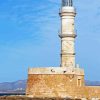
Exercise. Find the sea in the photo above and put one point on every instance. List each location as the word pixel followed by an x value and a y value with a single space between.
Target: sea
pixel 11 94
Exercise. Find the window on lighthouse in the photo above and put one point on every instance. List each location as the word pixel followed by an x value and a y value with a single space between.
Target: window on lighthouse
pixel 67 3
pixel 79 82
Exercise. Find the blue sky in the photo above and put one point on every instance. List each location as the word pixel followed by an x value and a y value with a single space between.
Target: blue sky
pixel 29 37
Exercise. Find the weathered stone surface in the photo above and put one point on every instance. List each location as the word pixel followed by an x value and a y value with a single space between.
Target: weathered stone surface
pixel 52 85
pixel 56 70
pixel 59 85
pixel 67 81
pixel 67 37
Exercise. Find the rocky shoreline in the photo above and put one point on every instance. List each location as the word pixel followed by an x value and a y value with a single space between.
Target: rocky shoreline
pixel 27 98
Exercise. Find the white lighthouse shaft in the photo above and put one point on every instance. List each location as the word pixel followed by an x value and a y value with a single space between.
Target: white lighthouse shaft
pixel 67 34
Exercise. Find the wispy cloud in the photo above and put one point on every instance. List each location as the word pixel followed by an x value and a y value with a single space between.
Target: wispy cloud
pixel 29 31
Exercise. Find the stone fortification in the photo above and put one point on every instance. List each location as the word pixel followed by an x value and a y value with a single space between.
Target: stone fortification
pixel 68 79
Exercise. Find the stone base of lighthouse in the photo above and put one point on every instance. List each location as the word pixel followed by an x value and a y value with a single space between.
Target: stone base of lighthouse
pixel 54 82
pixel 59 83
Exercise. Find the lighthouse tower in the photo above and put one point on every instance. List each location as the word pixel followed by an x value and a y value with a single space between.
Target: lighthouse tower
pixel 61 81
pixel 67 35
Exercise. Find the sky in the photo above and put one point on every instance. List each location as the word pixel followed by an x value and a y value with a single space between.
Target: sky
pixel 29 37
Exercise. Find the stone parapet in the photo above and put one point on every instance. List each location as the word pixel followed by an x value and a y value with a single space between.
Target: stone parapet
pixel 56 70
pixel 67 11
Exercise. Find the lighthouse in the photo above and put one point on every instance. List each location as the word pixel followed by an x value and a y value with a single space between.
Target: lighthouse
pixel 67 33
pixel 66 80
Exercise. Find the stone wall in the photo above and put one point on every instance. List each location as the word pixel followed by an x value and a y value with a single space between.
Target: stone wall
pixel 59 86
pixel 87 92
